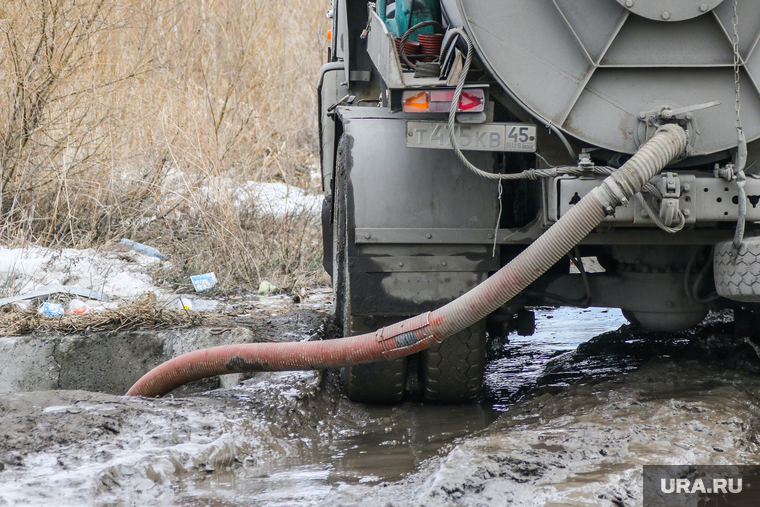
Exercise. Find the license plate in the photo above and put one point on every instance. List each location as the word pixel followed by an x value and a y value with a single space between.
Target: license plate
pixel 515 137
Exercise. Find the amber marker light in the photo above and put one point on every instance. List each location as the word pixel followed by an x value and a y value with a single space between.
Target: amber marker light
pixel 415 101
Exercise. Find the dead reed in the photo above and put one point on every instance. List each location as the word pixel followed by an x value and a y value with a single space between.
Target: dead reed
pixel 142 118
pixel 143 313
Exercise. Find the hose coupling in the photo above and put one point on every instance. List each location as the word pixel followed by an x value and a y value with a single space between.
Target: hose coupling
pixel 406 333
pixel 665 145
pixel 610 195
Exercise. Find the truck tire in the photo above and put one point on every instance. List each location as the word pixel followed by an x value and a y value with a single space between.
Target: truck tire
pixel 376 382
pixel 452 371
pixel 737 274
pixel 382 382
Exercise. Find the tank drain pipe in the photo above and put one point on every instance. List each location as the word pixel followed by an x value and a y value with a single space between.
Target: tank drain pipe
pixel 420 332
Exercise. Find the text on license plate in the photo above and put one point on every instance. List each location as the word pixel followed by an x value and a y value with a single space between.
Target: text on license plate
pixel 520 137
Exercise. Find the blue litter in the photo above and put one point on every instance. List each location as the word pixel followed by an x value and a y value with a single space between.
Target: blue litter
pixel 139 247
pixel 203 282
pixel 49 309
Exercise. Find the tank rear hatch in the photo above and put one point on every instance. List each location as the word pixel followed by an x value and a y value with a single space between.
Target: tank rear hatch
pixel 602 69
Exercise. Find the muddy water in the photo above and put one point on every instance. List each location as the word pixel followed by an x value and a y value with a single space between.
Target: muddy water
pixel 584 427
pixel 559 421
pixel 384 443
pixel 516 366
pixel 372 444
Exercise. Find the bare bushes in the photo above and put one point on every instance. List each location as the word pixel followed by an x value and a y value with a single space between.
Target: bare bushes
pixel 145 118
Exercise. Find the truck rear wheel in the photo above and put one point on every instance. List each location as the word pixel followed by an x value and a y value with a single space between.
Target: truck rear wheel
pixel 376 382
pixel 452 371
pixel 382 382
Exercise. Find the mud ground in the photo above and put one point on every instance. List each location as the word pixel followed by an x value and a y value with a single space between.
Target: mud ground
pixel 584 444
pixel 577 434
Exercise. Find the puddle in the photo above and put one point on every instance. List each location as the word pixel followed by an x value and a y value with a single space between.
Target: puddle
pixel 386 443
pixel 522 360
pixel 376 443
pixel 390 445
pixel 316 443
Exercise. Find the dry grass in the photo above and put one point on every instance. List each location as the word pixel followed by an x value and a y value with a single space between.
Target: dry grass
pixel 143 314
pixel 139 118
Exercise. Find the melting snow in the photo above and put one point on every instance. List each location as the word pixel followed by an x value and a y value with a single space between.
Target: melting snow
pixel 126 274
pixel 278 199
pixel 115 273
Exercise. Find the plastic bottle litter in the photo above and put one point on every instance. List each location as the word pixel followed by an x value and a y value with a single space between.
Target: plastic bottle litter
pixel 144 249
pixel 203 282
pixel 50 309
pixel 200 305
pixel 78 307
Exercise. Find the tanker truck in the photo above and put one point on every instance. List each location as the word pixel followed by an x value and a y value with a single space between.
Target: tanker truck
pixel 453 133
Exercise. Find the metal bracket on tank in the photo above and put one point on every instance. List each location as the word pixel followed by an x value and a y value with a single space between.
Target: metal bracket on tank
pixel 650 121
pixel 670 10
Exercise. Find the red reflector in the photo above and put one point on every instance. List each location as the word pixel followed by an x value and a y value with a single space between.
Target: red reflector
pixel 470 101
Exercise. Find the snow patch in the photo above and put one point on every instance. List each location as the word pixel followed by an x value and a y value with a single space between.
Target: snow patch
pixel 277 199
pixel 117 274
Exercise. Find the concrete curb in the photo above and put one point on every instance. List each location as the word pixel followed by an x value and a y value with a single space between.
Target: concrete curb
pixel 107 362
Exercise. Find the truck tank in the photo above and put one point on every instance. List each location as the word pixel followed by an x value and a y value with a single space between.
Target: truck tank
pixel 600 69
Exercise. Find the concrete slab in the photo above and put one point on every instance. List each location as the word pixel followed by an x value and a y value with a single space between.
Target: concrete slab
pixel 107 362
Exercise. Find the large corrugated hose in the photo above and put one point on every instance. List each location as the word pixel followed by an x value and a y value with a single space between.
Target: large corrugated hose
pixel 420 332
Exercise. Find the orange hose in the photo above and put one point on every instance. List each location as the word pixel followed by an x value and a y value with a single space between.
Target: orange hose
pixel 420 332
